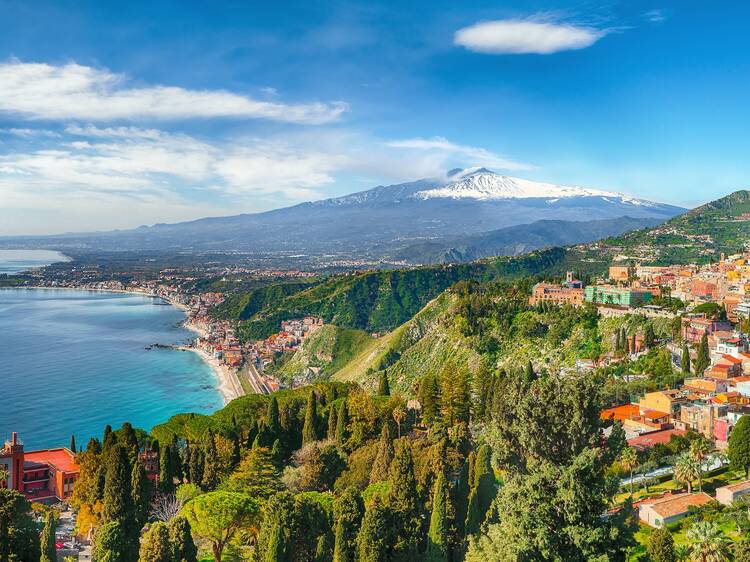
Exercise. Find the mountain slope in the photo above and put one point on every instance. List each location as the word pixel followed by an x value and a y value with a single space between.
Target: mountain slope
pixel 377 223
pixel 516 240
pixel 700 235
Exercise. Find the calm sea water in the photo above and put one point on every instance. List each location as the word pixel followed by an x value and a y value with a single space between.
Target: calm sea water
pixel 73 361
pixel 13 261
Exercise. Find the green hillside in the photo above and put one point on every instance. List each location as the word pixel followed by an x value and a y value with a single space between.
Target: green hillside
pixel 322 353
pixel 698 236
pixel 374 301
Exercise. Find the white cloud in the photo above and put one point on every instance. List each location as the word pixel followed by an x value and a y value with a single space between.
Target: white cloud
pixel 655 16
pixel 73 91
pixel 518 36
pixel 467 155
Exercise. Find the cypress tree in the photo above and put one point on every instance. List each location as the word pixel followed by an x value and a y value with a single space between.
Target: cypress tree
pixel 348 512
pixel 210 463
pixel 618 342
pixel 129 439
pixel 342 420
pixel 272 418
pixel 529 375
pixel 461 498
pixel 181 540
pixel 175 460
pixel 73 443
pixel 196 466
pixel 252 433
pixel 331 434
pixel 108 439
pixel 383 386
pixel 276 549
pixel 649 338
pixel 660 546
pixel 166 477
pixel 49 550
pixel 236 452
pixel 702 360
pixel 483 490
pixel 375 538
pixel 141 489
pixel 155 546
pixel 403 502
pixel 118 501
pixel 685 359
pixel 310 429
pixel 384 455
pixel 437 537
pixel 110 544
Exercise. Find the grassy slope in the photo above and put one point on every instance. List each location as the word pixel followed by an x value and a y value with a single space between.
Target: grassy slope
pixel 328 349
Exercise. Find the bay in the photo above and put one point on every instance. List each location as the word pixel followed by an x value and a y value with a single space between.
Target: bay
pixel 15 261
pixel 73 361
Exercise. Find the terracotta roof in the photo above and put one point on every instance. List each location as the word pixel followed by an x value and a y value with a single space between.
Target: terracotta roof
pixel 730 359
pixel 654 414
pixel 622 412
pixel 646 440
pixel 676 505
pixel 61 459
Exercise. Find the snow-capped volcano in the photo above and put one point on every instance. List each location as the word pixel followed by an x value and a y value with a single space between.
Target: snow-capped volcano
pixel 484 185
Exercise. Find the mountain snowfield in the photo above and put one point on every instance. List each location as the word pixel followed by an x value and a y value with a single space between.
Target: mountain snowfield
pixel 485 185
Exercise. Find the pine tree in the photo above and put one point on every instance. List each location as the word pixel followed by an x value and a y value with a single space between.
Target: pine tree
pixel 429 398
pixel 331 433
pixel 403 501
pixel 685 359
pixel 310 429
pixel 384 455
pixel 702 359
pixel 455 397
pixel 483 490
pixel 141 488
pixel 660 546
pixel 437 537
pixel 155 546
pixel 181 540
pixel 383 386
pixel 166 477
pixel 49 550
pixel 348 512
pixel 375 539
pixel 210 463
pixel 342 421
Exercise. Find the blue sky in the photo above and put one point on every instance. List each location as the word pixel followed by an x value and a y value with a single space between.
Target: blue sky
pixel 114 115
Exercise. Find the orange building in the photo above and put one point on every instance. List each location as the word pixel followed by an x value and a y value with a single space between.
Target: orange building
pixel 620 272
pixel 48 475
pixel 548 292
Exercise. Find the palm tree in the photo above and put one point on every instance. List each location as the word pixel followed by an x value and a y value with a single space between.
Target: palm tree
pixel 629 461
pixel 707 543
pixel 399 415
pixel 699 449
pixel 686 470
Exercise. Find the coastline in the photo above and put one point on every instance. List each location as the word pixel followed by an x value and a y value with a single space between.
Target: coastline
pixel 227 382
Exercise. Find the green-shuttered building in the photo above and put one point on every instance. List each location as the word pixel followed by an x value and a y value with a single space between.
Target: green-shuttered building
pixel 616 296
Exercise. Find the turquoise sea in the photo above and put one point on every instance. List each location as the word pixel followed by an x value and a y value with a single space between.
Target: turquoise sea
pixel 73 361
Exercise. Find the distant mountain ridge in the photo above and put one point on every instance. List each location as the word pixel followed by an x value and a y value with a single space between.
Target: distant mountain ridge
pixel 378 223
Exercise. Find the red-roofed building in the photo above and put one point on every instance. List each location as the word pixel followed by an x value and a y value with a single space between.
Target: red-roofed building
pixel 621 413
pixel 47 475
pixel 648 440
